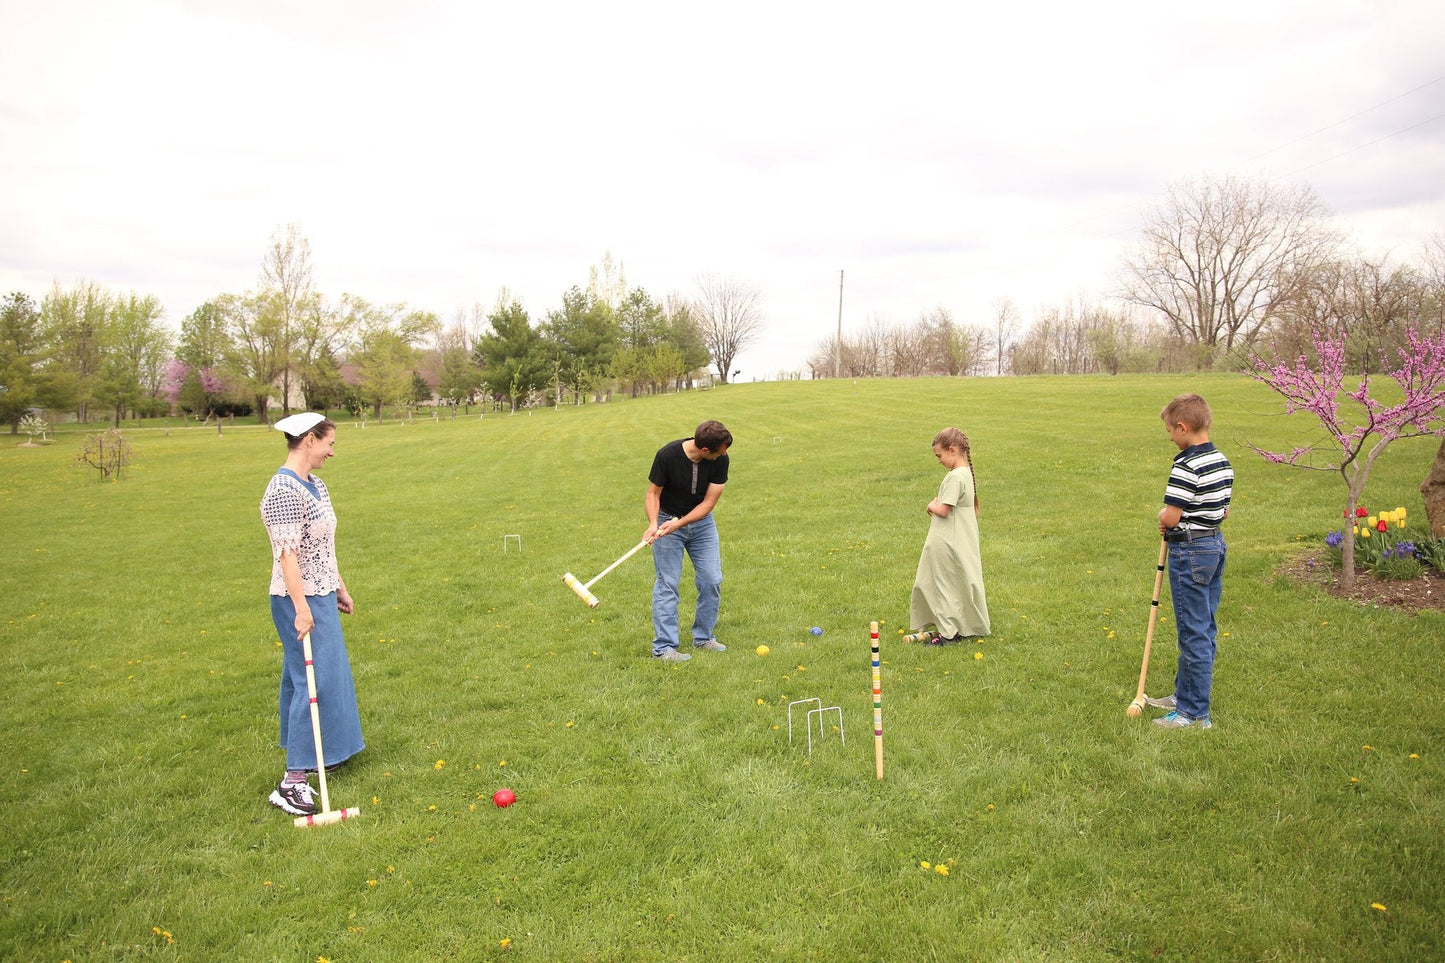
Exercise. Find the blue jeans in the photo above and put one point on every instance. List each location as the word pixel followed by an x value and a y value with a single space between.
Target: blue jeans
pixel 699 541
pixel 1196 576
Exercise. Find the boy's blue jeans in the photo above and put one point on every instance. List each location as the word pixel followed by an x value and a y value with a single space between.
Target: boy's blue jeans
pixel 700 542
pixel 1196 576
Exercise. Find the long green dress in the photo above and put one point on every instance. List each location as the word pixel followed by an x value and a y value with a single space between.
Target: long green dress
pixel 948 590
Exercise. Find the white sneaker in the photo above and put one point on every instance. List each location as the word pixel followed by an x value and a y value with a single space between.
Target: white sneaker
pixel 672 655
pixel 1165 703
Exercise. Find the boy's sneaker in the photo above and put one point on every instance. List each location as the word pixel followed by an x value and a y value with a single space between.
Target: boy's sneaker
pixel 295 798
pixel 709 645
pixel 1165 703
pixel 671 655
pixel 1175 721
pixel 936 639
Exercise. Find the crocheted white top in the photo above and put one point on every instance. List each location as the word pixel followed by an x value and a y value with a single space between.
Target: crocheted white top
pixel 305 524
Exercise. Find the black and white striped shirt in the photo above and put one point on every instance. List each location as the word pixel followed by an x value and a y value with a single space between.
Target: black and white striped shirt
pixel 1201 483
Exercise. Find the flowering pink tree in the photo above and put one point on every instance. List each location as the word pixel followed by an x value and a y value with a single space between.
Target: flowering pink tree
pixel 1360 432
pixel 173 376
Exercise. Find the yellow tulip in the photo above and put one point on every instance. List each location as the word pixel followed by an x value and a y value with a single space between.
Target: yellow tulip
pixel 1400 511
pixel 1365 532
pixel 1387 517
pixel 1400 523
pixel 1356 530
pixel 1372 521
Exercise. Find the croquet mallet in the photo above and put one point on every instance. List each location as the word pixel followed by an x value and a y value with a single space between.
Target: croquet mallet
pixel 327 814
pixel 1137 706
pixel 584 590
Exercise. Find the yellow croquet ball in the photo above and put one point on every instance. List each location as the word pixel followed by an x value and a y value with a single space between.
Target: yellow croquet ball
pixel 762 650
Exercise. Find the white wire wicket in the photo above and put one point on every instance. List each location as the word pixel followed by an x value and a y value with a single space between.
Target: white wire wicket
pixel 820 711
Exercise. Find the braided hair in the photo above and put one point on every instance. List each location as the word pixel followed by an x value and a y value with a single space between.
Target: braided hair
pixel 953 438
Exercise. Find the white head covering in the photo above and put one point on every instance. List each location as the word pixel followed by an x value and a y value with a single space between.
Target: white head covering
pixel 299 424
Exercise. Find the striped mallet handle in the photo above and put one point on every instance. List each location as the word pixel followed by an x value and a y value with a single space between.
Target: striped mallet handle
pixel 877 702
pixel 326 816
pixel 1137 706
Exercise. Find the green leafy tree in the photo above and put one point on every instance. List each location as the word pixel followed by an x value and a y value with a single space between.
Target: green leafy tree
pixel 76 323
pixel 684 333
pixel 583 336
pixel 139 344
pixel 22 345
pixel 256 354
pixel 511 354
pixel 388 339
pixel 458 377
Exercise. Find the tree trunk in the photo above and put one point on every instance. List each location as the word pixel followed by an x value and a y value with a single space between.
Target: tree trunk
pixel 1433 491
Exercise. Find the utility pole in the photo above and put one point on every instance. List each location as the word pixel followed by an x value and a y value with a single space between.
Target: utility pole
pixel 838 344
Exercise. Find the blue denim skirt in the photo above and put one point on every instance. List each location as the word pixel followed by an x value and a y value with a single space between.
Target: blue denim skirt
pixel 335 691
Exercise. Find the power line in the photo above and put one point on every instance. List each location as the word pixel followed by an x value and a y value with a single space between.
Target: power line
pixel 1372 143
pixel 1346 120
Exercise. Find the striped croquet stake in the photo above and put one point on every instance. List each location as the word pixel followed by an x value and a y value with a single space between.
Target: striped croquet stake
pixel 877 702
pixel 327 815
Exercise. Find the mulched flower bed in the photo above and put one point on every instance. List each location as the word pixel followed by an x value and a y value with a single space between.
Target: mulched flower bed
pixel 1410 595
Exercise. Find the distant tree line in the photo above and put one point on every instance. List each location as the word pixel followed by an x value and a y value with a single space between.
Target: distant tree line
pixel 96 353
pixel 1224 268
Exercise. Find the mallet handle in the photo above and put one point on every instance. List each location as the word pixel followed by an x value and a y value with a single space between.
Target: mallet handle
pixel 631 552
pixel 1153 617
pixel 877 702
pixel 315 719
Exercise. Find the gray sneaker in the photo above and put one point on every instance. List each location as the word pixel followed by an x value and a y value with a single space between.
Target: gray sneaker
pixel 1165 703
pixel 709 645
pixel 671 655
pixel 1175 721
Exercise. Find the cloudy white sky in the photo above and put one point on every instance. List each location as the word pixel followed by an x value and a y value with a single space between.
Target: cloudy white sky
pixel 938 154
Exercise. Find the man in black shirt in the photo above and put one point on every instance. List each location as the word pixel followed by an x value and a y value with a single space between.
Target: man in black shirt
pixel 683 487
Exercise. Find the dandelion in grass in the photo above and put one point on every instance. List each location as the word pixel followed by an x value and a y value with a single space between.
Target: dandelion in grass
pixel 431 809
pixel 570 724
pixel 941 869
pixel 925 864
pixel 440 763
pixel 1368 748
pixel 371 882
pixel 1414 755
pixel 1379 906
pixel 505 942
pixel 1354 780
pixel 375 801
pixel 978 656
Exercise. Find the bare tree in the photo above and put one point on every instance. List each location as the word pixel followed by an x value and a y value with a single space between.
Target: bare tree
pixel 730 314
pixel 1218 257
pixel 1005 322
pixel 286 283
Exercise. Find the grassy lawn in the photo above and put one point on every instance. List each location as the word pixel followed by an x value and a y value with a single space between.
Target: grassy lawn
pixel 662 813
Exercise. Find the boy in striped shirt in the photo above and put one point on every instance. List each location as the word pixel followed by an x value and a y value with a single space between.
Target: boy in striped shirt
pixel 1196 502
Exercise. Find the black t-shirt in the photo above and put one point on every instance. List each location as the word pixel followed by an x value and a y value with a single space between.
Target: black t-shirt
pixel 683 481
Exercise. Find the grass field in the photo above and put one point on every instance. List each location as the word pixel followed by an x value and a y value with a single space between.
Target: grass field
pixel 662 813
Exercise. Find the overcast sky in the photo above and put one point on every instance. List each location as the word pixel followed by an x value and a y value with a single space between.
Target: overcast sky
pixel 436 152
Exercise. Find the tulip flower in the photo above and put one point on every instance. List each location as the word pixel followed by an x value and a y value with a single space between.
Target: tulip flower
pixel 1382 527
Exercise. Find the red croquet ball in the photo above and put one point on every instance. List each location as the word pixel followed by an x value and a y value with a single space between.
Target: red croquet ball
pixel 504 798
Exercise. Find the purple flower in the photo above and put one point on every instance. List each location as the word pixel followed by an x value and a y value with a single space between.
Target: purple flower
pixel 1334 539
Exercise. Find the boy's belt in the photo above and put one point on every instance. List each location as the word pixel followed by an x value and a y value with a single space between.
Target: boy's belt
pixel 1188 534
